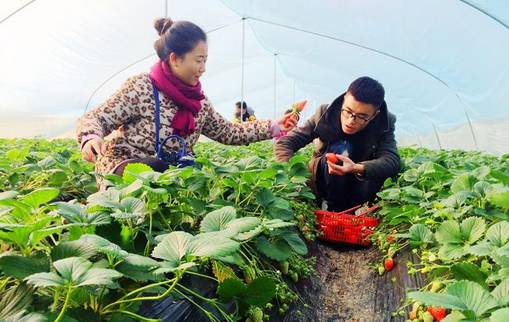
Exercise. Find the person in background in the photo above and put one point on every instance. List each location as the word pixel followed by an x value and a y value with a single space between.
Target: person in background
pixel 169 98
pixel 246 111
pixel 356 148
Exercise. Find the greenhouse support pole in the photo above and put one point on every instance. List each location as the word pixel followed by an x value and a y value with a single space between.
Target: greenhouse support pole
pixel 242 62
pixel 275 83
pixel 16 11
pixel 166 8
pixel 471 129
pixel 436 135
pixel 419 140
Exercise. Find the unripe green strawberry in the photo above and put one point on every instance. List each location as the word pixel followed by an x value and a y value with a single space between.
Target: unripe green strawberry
pixel 415 308
pixel 427 317
pixel 257 315
pixel 436 286
pixel 284 267
pixel 249 274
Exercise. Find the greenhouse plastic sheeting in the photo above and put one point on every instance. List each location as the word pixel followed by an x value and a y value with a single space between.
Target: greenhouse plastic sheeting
pixel 443 63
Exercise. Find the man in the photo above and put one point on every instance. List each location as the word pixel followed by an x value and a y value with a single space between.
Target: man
pixel 359 130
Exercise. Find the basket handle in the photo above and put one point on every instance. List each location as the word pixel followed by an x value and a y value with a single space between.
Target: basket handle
pixel 369 210
pixel 349 210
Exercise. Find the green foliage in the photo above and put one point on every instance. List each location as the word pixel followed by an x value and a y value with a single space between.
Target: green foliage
pixel 72 253
pixel 452 208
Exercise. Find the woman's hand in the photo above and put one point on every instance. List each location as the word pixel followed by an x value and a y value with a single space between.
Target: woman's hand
pixel 92 149
pixel 288 121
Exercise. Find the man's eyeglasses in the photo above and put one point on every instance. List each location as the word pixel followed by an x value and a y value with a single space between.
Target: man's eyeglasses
pixel 360 119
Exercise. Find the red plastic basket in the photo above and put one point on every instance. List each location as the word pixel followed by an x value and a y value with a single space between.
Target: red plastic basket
pixel 347 227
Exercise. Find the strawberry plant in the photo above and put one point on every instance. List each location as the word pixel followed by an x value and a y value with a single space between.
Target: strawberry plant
pixel 26 165
pixel 69 253
pixel 237 223
pixel 450 208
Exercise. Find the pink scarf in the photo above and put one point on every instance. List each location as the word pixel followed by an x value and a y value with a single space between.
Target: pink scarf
pixel 187 98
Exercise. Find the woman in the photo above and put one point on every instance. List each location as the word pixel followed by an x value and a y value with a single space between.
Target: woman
pixel 184 109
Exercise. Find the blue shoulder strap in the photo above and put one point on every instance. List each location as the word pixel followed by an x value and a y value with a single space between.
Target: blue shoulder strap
pixel 160 153
pixel 157 120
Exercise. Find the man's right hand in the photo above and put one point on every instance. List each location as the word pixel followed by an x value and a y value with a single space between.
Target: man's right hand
pixel 92 149
pixel 347 166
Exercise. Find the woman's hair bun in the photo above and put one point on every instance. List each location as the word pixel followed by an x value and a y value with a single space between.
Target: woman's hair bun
pixel 176 37
pixel 162 24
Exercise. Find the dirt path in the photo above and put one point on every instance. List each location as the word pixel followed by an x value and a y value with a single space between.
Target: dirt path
pixel 347 289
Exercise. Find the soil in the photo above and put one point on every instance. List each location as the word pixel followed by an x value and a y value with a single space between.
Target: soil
pixel 347 287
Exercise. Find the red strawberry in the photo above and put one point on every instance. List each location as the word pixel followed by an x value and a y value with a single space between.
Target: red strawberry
pixel 438 313
pixel 388 264
pixel 332 158
pixel 299 106
pixel 296 109
pixel 391 239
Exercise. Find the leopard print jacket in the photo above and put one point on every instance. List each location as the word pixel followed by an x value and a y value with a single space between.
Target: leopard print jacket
pixel 128 116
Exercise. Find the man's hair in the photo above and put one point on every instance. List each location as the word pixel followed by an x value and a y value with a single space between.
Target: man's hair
pixel 367 90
